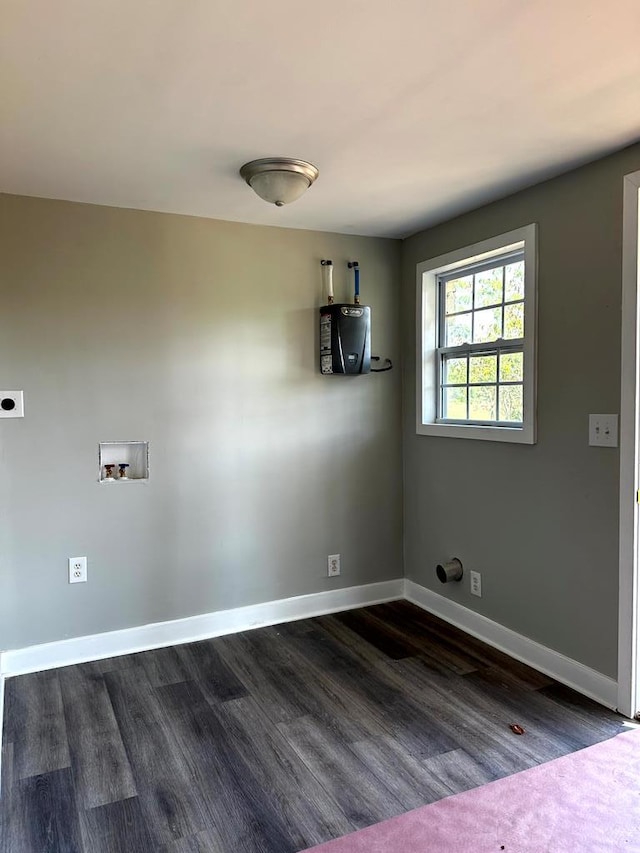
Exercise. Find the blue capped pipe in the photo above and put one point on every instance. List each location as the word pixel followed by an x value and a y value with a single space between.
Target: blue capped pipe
pixel 356 280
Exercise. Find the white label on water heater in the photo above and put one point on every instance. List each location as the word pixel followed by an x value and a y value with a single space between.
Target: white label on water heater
pixel 326 360
pixel 325 333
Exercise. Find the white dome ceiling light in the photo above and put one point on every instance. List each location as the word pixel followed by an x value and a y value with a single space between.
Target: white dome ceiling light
pixel 279 180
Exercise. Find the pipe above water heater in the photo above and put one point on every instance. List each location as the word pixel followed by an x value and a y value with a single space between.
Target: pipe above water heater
pixel 356 280
pixel 327 279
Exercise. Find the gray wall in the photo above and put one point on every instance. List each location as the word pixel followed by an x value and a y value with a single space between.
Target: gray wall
pixel 201 337
pixel 540 522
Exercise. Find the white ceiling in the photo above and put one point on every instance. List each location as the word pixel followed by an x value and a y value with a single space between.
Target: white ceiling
pixel 413 111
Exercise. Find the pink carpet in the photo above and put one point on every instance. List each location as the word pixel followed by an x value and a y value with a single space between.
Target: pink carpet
pixel 585 802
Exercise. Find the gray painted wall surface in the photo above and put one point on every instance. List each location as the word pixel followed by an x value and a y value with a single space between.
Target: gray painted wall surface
pixel 540 522
pixel 201 337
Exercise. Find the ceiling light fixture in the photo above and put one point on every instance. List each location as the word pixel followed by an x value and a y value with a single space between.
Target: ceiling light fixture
pixel 279 180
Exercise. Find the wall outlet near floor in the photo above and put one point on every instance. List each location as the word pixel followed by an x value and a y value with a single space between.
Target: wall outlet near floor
pixel 333 565
pixel 77 569
pixel 476 583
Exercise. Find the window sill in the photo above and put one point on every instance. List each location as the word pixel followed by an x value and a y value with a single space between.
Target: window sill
pixel 518 435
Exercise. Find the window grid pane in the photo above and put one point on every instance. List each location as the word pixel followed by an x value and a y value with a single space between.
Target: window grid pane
pixel 478 306
pixel 511 367
pixel 487 325
pixel 489 392
pixel 488 287
pixel 458 329
pixel 506 274
pixel 483 403
pixel 483 369
pixel 511 403
pixel 456 371
pixel 514 281
pixel 456 403
pixel 514 320
pixel 458 295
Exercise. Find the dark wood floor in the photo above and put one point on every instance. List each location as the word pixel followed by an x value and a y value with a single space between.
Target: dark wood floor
pixel 274 739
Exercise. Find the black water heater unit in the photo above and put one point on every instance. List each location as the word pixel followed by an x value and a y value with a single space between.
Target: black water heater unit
pixel 345 338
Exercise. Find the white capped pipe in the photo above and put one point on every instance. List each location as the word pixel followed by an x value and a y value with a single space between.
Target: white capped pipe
pixel 327 279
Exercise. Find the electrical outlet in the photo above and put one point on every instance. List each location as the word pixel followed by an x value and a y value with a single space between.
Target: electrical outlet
pixel 603 430
pixel 333 565
pixel 476 583
pixel 77 569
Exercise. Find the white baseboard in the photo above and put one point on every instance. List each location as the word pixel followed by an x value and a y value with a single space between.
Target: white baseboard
pixel 202 627
pixel 566 670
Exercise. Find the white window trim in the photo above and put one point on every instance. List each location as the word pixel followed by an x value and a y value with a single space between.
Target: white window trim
pixel 427 329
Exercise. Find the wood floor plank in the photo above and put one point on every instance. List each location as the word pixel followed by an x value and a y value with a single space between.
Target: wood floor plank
pixel 361 795
pixel 595 722
pixel 368 653
pixel 165 666
pixel 440 653
pixel 7 781
pixel 36 724
pixel 101 768
pixel 455 772
pixel 337 678
pixel 438 656
pixel 202 842
pixel 309 813
pixel 450 637
pixel 407 778
pixel 100 765
pixel 274 683
pixel 576 703
pixel 545 739
pixel 393 644
pixel 238 807
pixel 542 711
pixel 317 695
pixel 203 663
pixel 8 792
pixel 377 698
pixel 116 828
pixel 476 721
pixel 458 657
pixel 169 800
pixel 42 816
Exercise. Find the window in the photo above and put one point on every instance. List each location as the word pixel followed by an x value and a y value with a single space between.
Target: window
pixel 476 354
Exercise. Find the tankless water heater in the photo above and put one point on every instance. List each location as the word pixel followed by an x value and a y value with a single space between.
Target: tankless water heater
pixel 345 338
pixel 345 329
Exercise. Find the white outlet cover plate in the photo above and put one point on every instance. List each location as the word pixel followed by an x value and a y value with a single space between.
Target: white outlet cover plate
pixel 11 404
pixel 476 583
pixel 333 565
pixel 77 569
pixel 603 430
